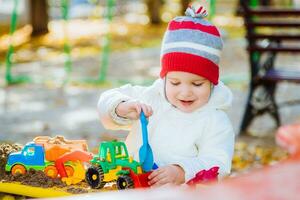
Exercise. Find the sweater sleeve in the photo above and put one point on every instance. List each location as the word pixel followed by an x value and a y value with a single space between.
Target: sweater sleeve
pixel 108 102
pixel 215 148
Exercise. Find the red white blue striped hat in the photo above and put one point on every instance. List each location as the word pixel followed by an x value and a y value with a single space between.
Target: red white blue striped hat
pixel 192 44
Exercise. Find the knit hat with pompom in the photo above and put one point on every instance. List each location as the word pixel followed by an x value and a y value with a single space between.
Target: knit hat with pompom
pixel 192 44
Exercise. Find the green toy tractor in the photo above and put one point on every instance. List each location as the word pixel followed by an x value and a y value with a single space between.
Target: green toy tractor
pixel 113 164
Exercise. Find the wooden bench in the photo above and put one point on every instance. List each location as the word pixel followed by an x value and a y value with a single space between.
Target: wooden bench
pixel 270 31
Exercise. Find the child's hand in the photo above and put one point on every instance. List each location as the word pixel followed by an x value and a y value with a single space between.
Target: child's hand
pixel 131 109
pixel 171 174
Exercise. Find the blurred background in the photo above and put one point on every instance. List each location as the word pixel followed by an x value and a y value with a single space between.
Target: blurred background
pixel 57 56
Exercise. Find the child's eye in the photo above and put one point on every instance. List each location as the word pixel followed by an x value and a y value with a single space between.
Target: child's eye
pixel 197 84
pixel 175 83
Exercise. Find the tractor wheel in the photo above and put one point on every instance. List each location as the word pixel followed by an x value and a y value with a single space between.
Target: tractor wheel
pixel 18 169
pixel 51 171
pixel 124 182
pixel 94 176
pixel 69 170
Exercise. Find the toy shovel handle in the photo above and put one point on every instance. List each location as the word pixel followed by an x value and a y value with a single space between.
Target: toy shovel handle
pixel 144 123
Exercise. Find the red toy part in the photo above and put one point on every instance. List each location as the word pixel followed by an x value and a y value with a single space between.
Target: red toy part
pixel 205 176
pixel 76 155
pixel 142 181
pixel 139 180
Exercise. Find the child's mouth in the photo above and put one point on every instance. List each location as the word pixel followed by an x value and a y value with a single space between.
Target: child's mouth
pixel 186 103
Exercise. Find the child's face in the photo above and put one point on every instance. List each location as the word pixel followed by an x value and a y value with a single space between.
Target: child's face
pixel 187 91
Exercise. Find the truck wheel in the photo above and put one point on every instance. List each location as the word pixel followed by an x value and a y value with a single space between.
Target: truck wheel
pixel 124 182
pixel 18 169
pixel 69 170
pixel 51 171
pixel 95 176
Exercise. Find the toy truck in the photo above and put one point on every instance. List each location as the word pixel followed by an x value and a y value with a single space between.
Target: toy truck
pixel 43 153
pixel 113 164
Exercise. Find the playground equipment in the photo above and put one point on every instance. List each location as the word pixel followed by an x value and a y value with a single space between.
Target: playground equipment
pixel 57 157
pixel 113 164
pixel 212 9
pixel 106 42
pixel 11 79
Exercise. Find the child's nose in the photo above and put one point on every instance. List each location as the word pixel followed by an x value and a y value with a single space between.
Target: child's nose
pixel 186 91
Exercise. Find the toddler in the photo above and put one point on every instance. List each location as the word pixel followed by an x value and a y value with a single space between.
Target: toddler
pixel 188 128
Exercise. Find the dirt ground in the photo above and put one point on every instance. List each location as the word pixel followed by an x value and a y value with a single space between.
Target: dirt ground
pixel 32 177
pixel 38 178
